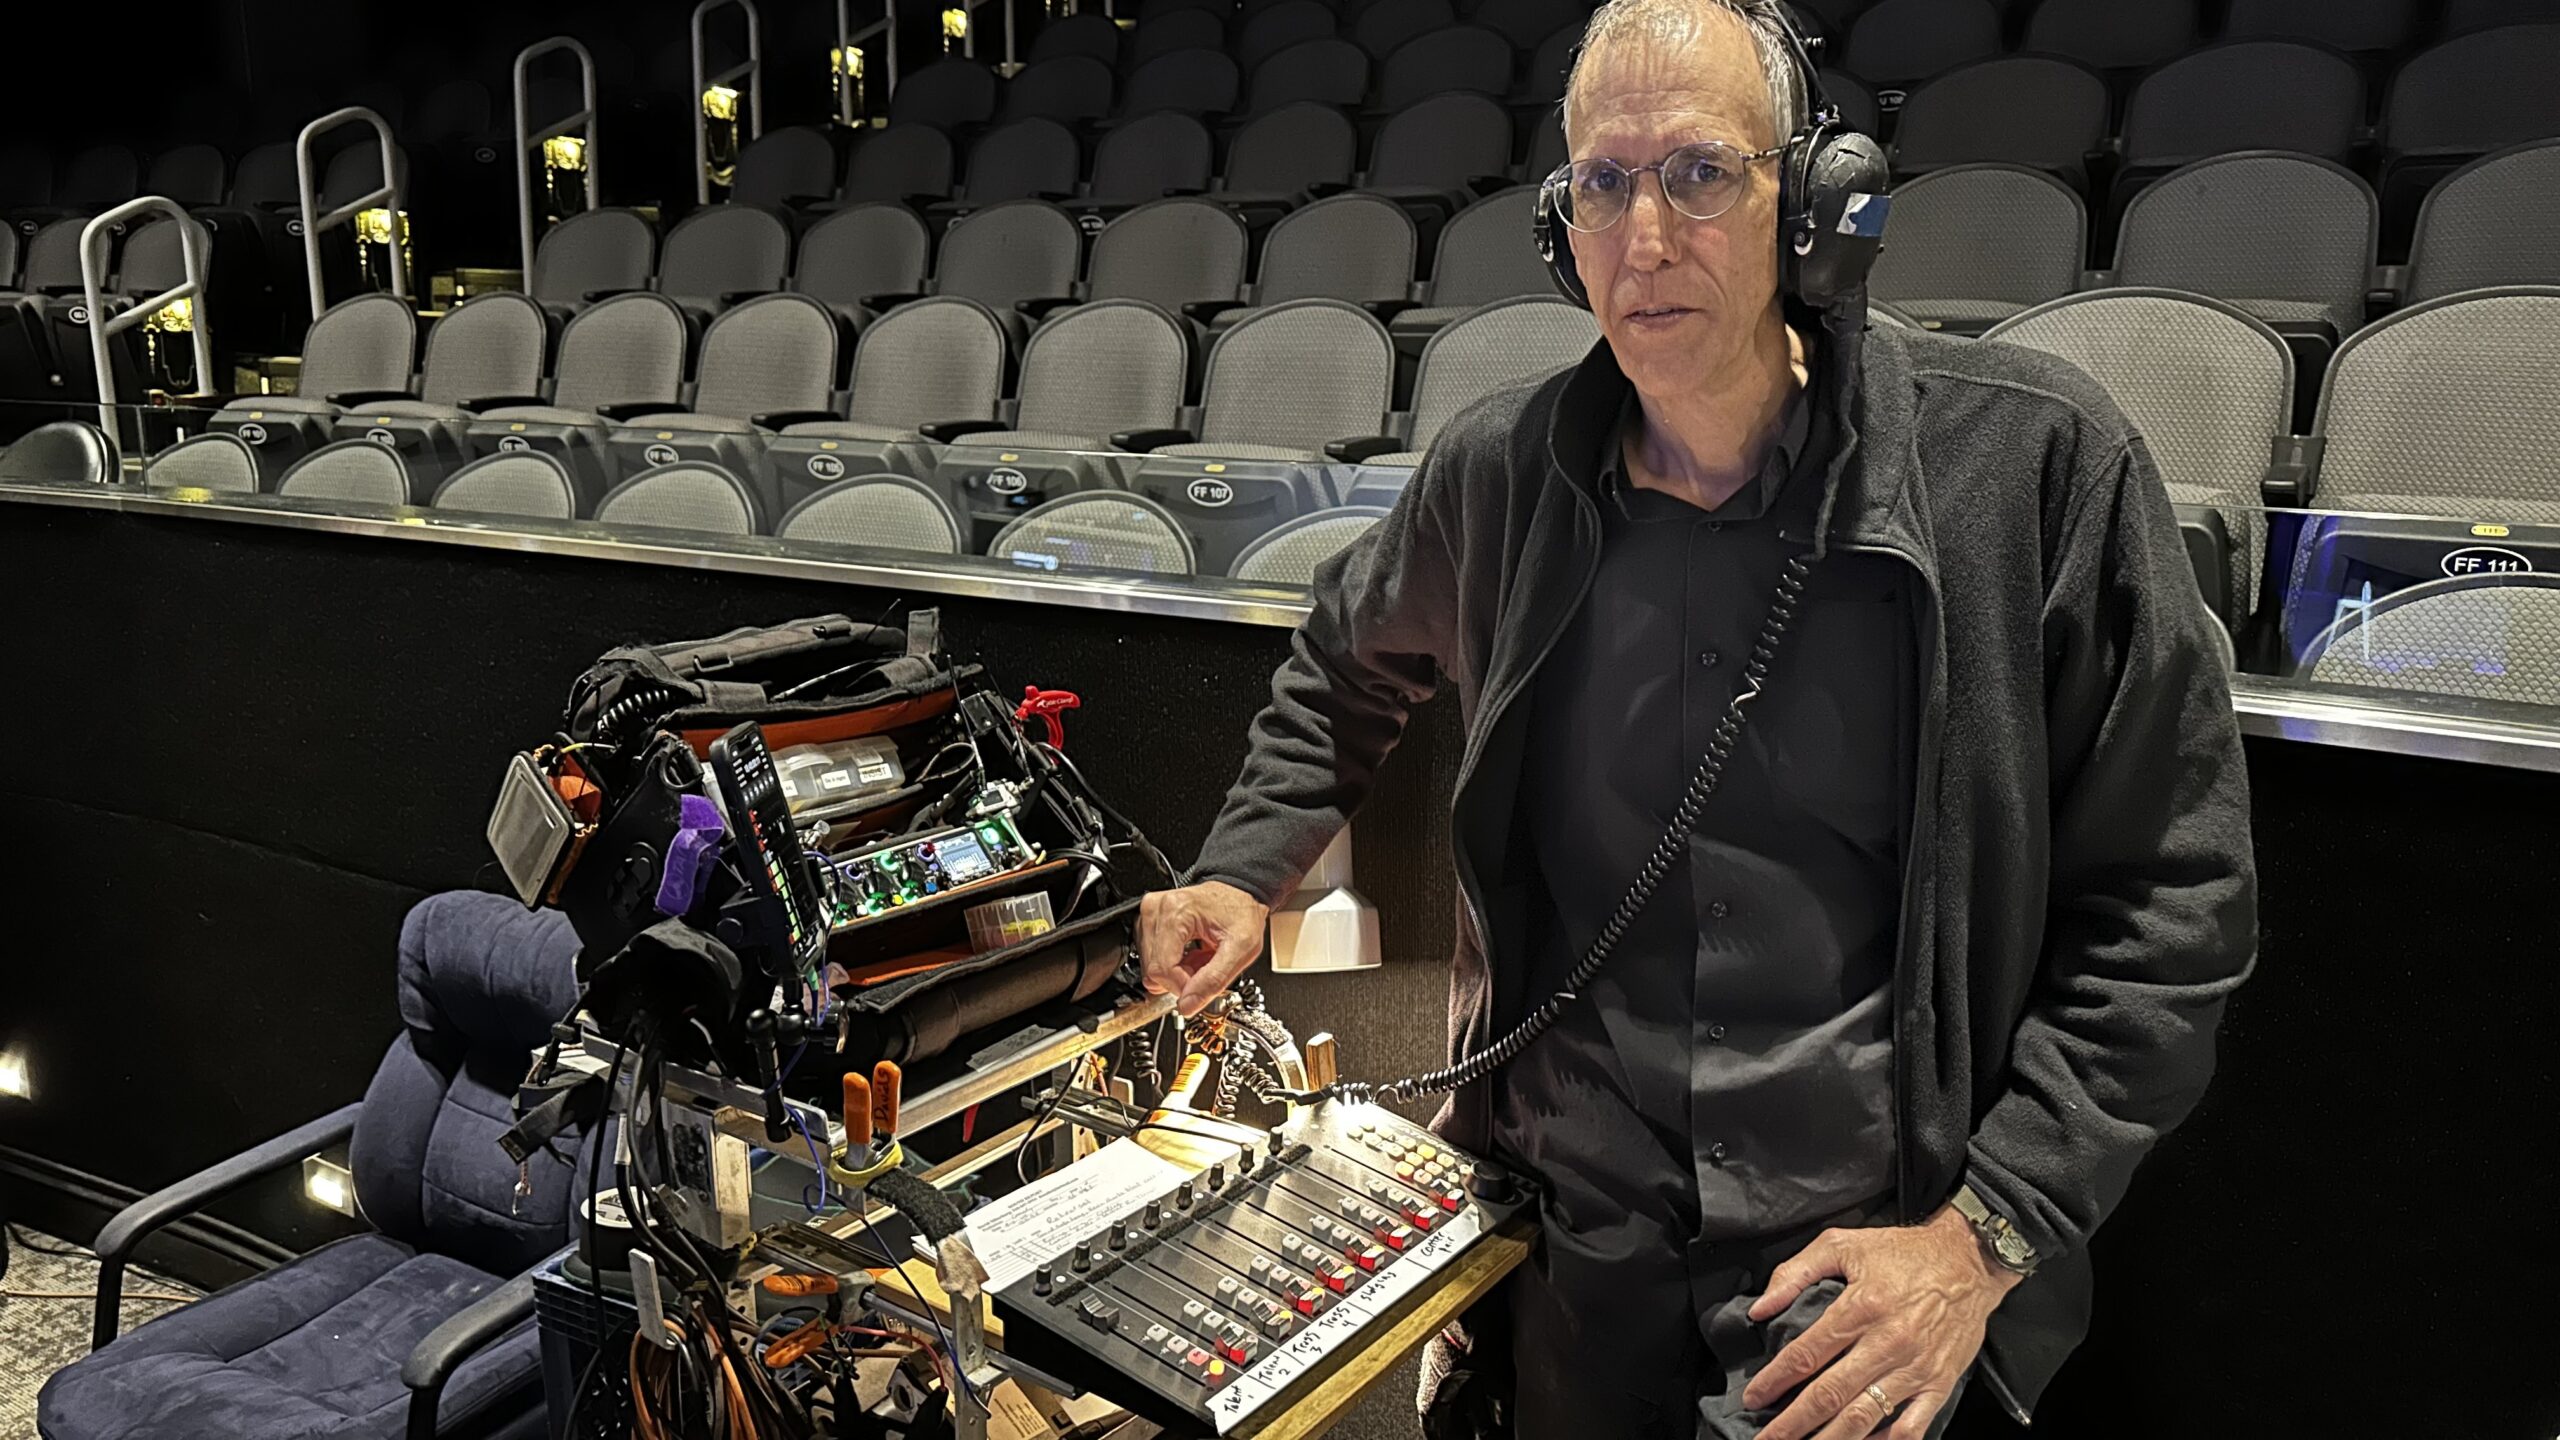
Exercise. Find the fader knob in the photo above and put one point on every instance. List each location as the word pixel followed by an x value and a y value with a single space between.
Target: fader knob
pixel 1154 1216
pixel 1119 1237
pixel 1217 1177
pixel 1079 1260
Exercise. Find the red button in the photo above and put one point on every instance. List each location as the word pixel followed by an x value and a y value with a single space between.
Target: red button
pixel 1236 1353
pixel 1366 1257
pixel 1306 1304
pixel 1450 1200
pixel 1338 1280
pixel 1397 1237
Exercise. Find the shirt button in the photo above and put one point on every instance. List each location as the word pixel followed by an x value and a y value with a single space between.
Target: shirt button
pixel 1715 1032
pixel 1716 1154
pixel 1715 527
pixel 1719 909
pixel 1711 658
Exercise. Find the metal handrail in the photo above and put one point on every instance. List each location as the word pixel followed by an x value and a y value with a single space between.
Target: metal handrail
pixel 387 195
pixel 969 41
pixel 753 70
pixel 526 140
pixel 93 272
pixel 846 38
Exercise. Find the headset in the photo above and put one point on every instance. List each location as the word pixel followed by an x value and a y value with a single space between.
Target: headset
pixel 1832 199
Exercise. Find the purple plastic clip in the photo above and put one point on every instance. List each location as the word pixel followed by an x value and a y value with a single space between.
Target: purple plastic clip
pixel 688 868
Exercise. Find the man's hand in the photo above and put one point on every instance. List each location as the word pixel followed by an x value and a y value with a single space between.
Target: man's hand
pixel 1222 922
pixel 1908 1324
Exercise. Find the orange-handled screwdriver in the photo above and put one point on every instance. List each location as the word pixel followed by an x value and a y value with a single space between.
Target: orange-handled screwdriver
pixel 857 1113
pixel 800 1286
pixel 885 1079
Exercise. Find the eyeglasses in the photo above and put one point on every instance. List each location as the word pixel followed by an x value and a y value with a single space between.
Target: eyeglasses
pixel 1701 181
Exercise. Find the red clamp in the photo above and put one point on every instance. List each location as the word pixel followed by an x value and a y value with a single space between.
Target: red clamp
pixel 1048 705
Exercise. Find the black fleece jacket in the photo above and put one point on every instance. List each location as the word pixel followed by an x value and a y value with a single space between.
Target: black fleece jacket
pixel 2080 899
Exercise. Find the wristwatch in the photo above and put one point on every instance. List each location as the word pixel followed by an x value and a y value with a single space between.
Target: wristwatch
pixel 2000 1239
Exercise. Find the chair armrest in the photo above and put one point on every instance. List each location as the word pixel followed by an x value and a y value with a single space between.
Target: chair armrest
pixel 1483 185
pixel 1141 441
pixel 633 409
pixel 1206 312
pixel 136 1221
pixel 463 1334
pixel 486 403
pixel 2292 480
pixel 594 296
pixel 878 304
pixel 1359 451
pixel 943 432
pixel 741 297
pixel 1324 189
pixel 358 399
pixel 775 420
pixel 1041 307
pixel 1386 310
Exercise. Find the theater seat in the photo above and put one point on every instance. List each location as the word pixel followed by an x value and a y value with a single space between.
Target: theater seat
pixel 312 1349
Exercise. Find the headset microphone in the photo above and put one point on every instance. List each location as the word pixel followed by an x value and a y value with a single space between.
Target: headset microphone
pixel 1832 199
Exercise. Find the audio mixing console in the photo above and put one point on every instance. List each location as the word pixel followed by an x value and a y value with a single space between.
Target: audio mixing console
pixel 1219 1290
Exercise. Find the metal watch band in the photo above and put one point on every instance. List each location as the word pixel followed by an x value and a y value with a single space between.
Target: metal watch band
pixel 2000 1240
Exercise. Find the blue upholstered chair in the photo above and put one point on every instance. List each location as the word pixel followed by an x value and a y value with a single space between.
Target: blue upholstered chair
pixel 422 1327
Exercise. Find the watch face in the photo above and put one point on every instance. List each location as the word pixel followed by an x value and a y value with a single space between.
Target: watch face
pixel 2013 1248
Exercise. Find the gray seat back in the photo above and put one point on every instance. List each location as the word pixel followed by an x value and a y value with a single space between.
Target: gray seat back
pixel 1022 158
pixel 936 359
pixel 2481 92
pixel 880 512
pixel 265 176
pixel 154 257
pixel 1325 72
pixel 1192 28
pixel 2113 34
pixel 1064 87
pixel 1103 368
pixel 2257 226
pixel 213 461
pixel 1286 150
pixel 525 482
pixel 1150 156
pixel 2000 233
pixel 2445 407
pixel 1289 552
pixel 721 249
pixel 2029 110
pixel 771 354
pixel 52 259
pixel 791 163
pixel 863 250
pixel 1195 82
pixel 594 251
pixel 1298 375
pixel 356 471
pixel 2370 25
pixel 628 349
pixel 1899 42
pixel 63 452
pixel 192 175
pixel 1096 531
pixel 489 345
pixel 1551 65
pixel 1526 22
pixel 899 161
pixel 1018 250
pixel 687 495
pixel 99 176
pixel 1485 252
pixel 366 343
pixel 1491 347
pixel 2208 386
pixel 2246 95
pixel 2495 221
pixel 1382 25
pixel 1268 32
pixel 1457 57
pixel 1442 143
pixel 357 171
pixel 1089 34
pixel 1343 247
pixel 1172 253
pixel 26 174
pixel 2482 637
pixel 2462 17
pixel 945 95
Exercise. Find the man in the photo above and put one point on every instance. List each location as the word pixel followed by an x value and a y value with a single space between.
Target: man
pixel 1944 952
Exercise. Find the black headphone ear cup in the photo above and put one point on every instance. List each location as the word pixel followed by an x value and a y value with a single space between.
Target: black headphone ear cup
pixel 1547 232
pixel 1832 200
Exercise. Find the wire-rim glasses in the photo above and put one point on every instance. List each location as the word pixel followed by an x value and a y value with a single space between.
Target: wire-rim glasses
pixel 1700 181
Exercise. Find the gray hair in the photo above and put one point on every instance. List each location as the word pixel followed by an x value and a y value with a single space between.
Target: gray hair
pixel 1676 22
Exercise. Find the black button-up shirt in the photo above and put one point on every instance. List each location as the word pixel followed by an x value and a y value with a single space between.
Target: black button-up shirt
pixel 1729 1074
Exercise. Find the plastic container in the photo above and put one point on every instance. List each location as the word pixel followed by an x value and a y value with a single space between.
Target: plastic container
pixel 817 776
pixel 1010 921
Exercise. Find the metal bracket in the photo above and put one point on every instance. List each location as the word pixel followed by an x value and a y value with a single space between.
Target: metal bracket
pixel 387 194
pixel 93 271
pixel 526 139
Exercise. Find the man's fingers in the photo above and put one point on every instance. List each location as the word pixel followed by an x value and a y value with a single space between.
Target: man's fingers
pixel 1835 1403
pixel 1864 1416
pixel 1821 1260
pixel 1917 1415
pixel 1164 928
pixel 1236 951
pixel 1803 1357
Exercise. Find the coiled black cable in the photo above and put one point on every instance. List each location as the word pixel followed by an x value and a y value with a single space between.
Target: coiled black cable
pixel 1666 852
pixel 634 702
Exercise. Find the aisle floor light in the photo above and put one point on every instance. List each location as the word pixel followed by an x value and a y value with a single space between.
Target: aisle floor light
pixel 846 64
pixel 955 28
pixel 13 1076
pixel 329 1186
pixel 720 128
